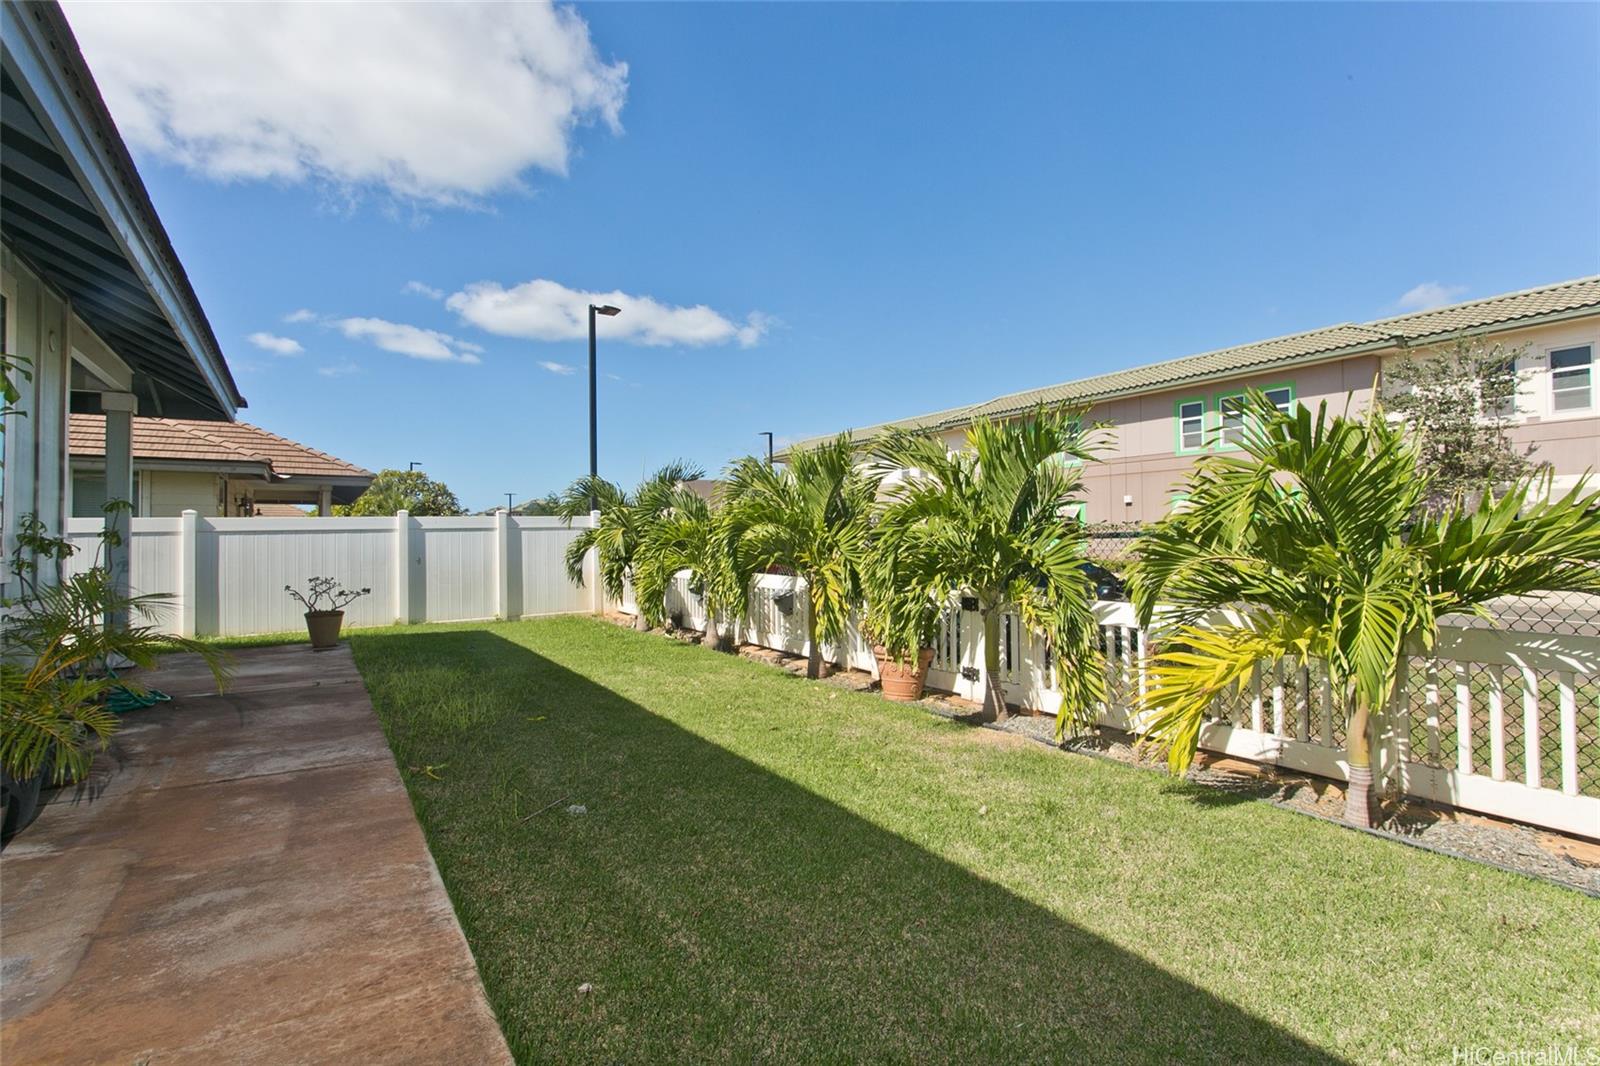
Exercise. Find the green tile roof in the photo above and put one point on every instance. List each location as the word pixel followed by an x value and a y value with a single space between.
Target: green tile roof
pixel 1317 345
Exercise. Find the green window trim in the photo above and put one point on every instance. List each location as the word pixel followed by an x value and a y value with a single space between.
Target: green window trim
pixel 1217 441
pixel 1179 417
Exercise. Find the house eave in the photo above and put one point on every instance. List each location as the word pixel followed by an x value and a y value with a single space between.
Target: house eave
pixel 50 75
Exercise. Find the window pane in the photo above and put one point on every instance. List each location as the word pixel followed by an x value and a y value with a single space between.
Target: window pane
pixel 1281 398
pixel 1193 409
pixel 1569 357
pixel 1232 410
pixel 1571 391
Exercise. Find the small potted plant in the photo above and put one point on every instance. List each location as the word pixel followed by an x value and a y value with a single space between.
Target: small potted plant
pixel 324 600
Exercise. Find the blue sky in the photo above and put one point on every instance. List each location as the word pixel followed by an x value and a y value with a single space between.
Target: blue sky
pixel 887 209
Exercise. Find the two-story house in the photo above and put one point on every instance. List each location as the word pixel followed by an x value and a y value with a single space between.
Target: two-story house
pixel 1164 416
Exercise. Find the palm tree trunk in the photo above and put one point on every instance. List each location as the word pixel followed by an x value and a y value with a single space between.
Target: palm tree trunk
pixel 713 638
pixel 994 693
pixel 639 622
pixel 1358 753
pixel 813 645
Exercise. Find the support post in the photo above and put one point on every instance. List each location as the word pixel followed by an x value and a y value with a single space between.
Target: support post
pixel 591 565
pixel 325 501
pixel 119 408
pixel 502 565
pixel 188 573
pixel 402 567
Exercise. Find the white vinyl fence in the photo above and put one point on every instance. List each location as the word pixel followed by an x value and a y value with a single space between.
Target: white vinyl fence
pixel 1502 722
pixel 227 575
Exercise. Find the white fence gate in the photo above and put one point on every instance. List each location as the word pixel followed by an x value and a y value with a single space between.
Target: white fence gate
pixel 227 575
pixel 1502 722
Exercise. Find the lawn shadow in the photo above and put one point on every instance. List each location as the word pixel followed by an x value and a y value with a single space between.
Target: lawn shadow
pixel 719 911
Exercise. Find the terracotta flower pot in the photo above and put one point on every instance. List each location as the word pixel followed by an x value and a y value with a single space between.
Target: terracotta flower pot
pixel 902 682
pixel 323 626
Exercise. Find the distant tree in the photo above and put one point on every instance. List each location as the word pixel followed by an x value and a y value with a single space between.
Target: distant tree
pixel 548 504
pixel 403 490
pixel 1460 401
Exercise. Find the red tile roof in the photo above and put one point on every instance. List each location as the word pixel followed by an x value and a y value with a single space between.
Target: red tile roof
pixel 191 440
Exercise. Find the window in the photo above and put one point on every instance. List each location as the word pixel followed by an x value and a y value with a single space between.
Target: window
pixel 1230 420
pixel 1570 379
pixel 89 494
pixel 1282 397
pixel 1191 425
pixel 1231 417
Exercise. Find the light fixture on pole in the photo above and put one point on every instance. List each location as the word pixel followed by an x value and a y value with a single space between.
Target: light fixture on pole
pixel 412 466
pixel 594 439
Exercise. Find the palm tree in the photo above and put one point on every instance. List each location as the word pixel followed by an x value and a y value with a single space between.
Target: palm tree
pixel 1311 543
pixel 624 522
pixel 692 535
pixel 992 520
pixel 812 516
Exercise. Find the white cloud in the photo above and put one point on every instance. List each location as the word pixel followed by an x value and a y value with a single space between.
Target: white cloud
pixel 413 341
pixel 435 102
pixel 301 315
pixel 337 370
pixel 271 342
pixel 549 311
pixel 558 368
pixel 422 289
pixel 1428 295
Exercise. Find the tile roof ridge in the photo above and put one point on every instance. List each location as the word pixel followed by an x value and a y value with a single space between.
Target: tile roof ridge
pixel 1533 291
pixel 302 447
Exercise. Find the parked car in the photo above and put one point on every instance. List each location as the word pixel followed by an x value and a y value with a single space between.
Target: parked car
pixel 1107 586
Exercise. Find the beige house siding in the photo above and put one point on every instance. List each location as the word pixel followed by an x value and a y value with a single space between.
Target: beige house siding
pixel 1143 469
pixel 171 492
pixel 1139 474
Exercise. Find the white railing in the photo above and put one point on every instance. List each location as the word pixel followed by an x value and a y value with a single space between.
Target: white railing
pixel 1502 722
pixel 226 576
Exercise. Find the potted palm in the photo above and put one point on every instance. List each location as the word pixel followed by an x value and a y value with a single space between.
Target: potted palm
pixel 325 600
pixel 990 521
pixel 902 618
pixel 57 692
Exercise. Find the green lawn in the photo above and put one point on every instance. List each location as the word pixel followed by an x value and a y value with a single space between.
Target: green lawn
pixel 775 869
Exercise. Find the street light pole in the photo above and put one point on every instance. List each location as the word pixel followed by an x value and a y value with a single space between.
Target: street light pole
pixel 594 437
pixel 767 434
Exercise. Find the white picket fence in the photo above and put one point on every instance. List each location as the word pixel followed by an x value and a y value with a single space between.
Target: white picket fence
pixel 1501 722
pixel 226 576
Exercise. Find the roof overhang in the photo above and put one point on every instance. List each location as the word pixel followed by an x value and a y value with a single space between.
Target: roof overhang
pixel 240 468
pixel 72 205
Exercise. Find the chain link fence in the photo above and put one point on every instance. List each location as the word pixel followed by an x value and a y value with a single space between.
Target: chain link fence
pixel 1114 545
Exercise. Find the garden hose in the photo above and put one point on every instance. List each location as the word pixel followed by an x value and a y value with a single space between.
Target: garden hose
pixel 122 699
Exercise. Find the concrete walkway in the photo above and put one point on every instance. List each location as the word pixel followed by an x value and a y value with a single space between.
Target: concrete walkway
pixel 247 884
